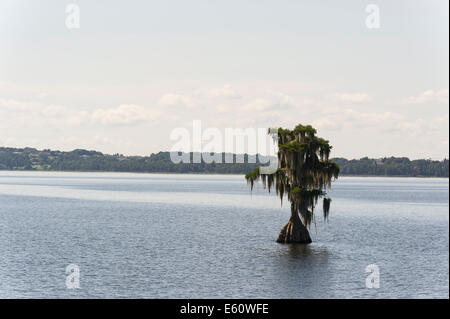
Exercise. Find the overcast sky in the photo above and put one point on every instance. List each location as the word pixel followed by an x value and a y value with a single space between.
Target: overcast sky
pixel 135 70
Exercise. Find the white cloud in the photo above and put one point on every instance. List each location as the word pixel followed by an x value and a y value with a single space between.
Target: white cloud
pixel 221 108
pixel 363 119
pixel 32 108
pixel 41 95
pixel 348 119
pixel 54 111
pixel 353 97
pixel 17 106
pixel 78 118
pixel 429 96
pixel 277 102
pixel 255 108
pixel 226 92
pixel 327 123
pixel 38 115
pixel 336 119
pixel 177 100
pixel 258 105
pixel 124 114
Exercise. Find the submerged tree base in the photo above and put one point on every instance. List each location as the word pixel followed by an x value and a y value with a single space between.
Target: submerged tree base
pixel 294 232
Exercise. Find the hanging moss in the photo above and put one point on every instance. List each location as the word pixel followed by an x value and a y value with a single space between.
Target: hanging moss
pixel 326 207
pixel 252 177
pixel 297 191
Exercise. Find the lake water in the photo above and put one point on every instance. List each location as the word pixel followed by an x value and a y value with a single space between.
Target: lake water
pixel 207 236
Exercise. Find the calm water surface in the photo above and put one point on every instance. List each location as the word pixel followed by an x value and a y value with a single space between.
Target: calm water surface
pixel 179 236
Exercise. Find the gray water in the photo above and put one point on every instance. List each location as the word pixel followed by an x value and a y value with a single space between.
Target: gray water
pixel 204 236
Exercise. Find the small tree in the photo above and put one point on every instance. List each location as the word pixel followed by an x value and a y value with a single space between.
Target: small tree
pixel 304 173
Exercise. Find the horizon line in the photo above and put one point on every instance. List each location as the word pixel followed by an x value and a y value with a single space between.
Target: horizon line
pixel 191 152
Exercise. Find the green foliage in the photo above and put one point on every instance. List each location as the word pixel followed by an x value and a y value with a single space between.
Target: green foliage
pixel 252 177
pixel 305 130
pixel 393 166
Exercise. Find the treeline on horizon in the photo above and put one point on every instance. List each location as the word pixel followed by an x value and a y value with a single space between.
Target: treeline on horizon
pixel 84 160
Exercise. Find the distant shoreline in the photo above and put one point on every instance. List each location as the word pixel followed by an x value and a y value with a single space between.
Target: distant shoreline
pixel 31 159
pixel 203 173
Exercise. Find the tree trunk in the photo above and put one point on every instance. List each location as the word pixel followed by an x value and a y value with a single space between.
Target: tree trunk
pixel 294 231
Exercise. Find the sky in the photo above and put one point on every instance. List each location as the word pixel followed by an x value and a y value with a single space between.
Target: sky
pixel 131 72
